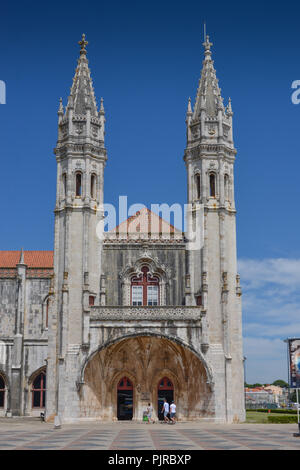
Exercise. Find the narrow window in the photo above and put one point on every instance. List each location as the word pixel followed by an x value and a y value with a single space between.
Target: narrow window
pixel 137 295
pixel 47 313
pixel 212 185
pixel 2 392
pixel 152 295
pixel 91 300
pixel 64 183
pixel 226 187
pixel 93 186
pixel 199 300
pixel 78 185
pixel 197 180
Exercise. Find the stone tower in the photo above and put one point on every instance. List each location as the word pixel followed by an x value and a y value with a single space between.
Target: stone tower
pixel 214 282
pixel 81 157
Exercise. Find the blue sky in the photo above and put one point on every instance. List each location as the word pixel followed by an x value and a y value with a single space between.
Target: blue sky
pixel 145 59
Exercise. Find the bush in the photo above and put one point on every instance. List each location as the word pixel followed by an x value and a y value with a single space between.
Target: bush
pixel 275 410
pixel 282 419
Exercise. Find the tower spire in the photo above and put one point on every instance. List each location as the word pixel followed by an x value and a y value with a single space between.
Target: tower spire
pixel 208 94
pixel 82 96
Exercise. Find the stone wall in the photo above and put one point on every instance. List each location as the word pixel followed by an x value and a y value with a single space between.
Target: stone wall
pixel 116 257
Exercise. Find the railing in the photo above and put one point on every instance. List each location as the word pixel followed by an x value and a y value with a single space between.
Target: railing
pixel 165 313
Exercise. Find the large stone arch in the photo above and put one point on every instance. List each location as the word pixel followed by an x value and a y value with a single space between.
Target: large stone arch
pixel 155 334
pixel 145 359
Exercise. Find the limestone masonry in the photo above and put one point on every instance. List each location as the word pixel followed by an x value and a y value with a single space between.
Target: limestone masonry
pixel 97 329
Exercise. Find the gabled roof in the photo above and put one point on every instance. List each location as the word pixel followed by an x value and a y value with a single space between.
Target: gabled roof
pixel 33 259
pixel 145 224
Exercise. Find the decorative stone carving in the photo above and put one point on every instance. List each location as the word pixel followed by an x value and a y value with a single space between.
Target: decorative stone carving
pixel 163 313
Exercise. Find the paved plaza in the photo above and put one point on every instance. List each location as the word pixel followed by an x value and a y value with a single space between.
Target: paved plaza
pixel 31 434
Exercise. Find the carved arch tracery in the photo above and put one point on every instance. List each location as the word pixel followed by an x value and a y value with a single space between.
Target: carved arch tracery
pixel 156 269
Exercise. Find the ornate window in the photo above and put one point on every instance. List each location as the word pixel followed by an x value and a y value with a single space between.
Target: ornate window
pixel 144 283
pixel 145 289
pixel 78 182
pixel 39 391
pixel 2 392
pixel 212 185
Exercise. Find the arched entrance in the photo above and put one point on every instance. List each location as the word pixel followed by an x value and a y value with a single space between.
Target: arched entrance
pixel 125 399
pixel 155 368
pixel 165 390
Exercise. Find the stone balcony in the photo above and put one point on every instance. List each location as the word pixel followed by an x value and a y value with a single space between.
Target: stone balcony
pixel 159 313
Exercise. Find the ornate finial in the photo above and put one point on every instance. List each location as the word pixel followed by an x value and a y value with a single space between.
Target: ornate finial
pixel 83 43
pixel 229 108
pixel 61 108
pixel 207 45
pixel 189 109
pixel 101 110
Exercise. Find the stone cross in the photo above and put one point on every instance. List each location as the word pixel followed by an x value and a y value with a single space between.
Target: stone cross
pixel 83 43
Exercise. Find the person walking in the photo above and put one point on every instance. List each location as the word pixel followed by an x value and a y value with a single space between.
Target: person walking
pixel 149 413
pixel 173 412
pixel 165 410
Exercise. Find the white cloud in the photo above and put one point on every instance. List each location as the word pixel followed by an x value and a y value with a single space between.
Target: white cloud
pixel 271 313
pixel 283 272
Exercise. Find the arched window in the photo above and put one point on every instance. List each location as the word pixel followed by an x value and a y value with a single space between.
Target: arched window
pixel 2 392
pixel 197 183
pixel 145 289
pixel 165 384
pixel 125 384
pixel 93 186
pixel 78 180
pixel 212 185
pixel 226 187
pixel 39 391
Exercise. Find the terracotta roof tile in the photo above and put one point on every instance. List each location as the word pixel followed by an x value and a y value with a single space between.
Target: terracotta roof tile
pixel 33 259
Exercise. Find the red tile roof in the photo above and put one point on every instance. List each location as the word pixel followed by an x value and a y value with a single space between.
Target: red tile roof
pixel 33 259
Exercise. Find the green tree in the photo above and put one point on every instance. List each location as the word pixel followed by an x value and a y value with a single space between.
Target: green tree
pixel 280 383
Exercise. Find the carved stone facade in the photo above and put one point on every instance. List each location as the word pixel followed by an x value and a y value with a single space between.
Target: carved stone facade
pixel 115 323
